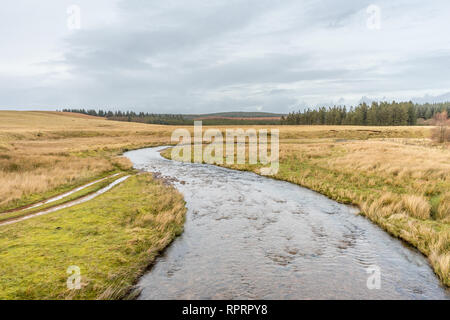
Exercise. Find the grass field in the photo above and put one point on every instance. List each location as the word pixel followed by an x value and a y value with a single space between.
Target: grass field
pixel 396 175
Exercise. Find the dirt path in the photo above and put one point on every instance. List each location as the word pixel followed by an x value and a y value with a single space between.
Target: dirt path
pixel 70 203
pixel 59 197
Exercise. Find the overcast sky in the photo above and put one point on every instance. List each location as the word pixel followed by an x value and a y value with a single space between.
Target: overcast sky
pixel 171 56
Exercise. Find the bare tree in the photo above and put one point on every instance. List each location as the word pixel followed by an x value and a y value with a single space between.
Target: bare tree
pixel 441 133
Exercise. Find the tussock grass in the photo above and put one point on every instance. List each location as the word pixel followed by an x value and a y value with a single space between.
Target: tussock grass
pixel 443 211
pixel 44 153
pixel 50 173
pixel 416 206
pixel 112 238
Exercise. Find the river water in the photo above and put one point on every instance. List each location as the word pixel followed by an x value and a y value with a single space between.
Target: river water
pixel 252 237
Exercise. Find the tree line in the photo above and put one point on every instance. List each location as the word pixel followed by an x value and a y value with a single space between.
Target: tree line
pixel 376 114
pixel 131 116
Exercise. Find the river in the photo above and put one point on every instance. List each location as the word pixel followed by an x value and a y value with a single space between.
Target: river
pixel 252 237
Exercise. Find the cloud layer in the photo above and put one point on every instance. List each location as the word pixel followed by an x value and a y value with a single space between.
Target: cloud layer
pixel 206 56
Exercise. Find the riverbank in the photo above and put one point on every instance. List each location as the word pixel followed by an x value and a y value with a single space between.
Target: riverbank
pixel 401 185
pixel 112 239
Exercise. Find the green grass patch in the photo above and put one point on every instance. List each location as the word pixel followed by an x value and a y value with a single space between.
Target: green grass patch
pixel 112 239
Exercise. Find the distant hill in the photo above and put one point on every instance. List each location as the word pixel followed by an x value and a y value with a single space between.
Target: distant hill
pixel 236 118
pixel 236 115
pixel 220 118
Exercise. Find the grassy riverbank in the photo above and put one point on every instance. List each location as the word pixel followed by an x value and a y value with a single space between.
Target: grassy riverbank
pixel 400 184
pixel 112 239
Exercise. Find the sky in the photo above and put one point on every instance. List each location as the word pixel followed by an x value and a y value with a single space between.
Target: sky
pixel 199 56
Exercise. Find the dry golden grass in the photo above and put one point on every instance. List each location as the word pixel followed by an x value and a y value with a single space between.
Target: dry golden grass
pixel 416 206
pixel 49 173
pixel 42 153
pixel 443 211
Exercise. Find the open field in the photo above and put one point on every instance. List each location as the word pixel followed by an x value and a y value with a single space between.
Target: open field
pixel 398 178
